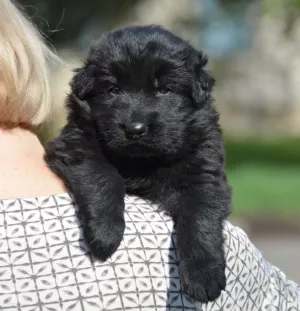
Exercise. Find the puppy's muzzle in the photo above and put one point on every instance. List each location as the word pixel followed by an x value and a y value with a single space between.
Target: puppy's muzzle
pixel 135 130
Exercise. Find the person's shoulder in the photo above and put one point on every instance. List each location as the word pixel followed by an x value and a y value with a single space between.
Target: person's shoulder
pixel 37 202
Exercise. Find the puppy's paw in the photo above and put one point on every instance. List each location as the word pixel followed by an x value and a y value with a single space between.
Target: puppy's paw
pixel 103 238
pixel 202 282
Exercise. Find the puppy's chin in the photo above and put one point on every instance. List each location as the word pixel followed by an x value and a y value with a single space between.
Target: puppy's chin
pixel 141 149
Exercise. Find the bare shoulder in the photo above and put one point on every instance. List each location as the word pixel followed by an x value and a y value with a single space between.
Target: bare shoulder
pixel 28 180
pixel 23 171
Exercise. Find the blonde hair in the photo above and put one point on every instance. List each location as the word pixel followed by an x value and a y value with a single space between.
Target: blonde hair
pixel 24 74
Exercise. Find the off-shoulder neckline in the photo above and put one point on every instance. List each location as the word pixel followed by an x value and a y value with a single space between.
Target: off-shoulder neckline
pixel 43 197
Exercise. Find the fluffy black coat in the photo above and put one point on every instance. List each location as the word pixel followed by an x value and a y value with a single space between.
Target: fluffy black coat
pixel 141 121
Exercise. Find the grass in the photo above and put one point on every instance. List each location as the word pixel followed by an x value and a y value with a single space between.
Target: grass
pixel 261 188
pixel 275 152
pixel 264 175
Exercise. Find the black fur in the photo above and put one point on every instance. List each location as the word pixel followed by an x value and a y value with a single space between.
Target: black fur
pixel 150 76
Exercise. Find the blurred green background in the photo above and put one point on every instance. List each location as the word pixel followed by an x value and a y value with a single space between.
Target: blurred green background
pixel 254 55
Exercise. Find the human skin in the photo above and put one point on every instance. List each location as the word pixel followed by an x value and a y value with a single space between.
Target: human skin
pixel 23 171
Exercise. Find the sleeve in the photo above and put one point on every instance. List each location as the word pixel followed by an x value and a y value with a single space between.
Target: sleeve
pixel 253 284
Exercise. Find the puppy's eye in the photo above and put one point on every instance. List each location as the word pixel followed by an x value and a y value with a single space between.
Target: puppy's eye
pixel 162 90
pixel 114 90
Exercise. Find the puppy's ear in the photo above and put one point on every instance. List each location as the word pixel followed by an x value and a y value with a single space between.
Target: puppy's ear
pixel 83 82
pixel 203 82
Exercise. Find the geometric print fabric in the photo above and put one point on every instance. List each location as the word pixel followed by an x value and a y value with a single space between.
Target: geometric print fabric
pixel 45 264
pixel 253 284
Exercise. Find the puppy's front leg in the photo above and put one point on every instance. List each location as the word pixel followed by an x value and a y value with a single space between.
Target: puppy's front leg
pixel 96 185
pixel 199 225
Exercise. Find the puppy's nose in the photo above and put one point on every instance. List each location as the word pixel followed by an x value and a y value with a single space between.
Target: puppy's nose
pixel 135 130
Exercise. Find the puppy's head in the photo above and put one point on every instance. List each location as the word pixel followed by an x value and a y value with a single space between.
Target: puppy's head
pixel 145 88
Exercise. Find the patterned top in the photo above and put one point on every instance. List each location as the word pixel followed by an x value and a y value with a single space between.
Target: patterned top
pixel 45 265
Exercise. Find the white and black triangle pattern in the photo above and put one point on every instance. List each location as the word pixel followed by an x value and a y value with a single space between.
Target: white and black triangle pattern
pixel 45 264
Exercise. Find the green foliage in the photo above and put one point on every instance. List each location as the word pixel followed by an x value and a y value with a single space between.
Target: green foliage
pixel 281 152
pixel 265 189
pixel 265 176
pixel 286 10
pixel 277 5
pixel 295 4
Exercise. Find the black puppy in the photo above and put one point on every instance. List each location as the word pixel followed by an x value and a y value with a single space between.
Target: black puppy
pixel 141 121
